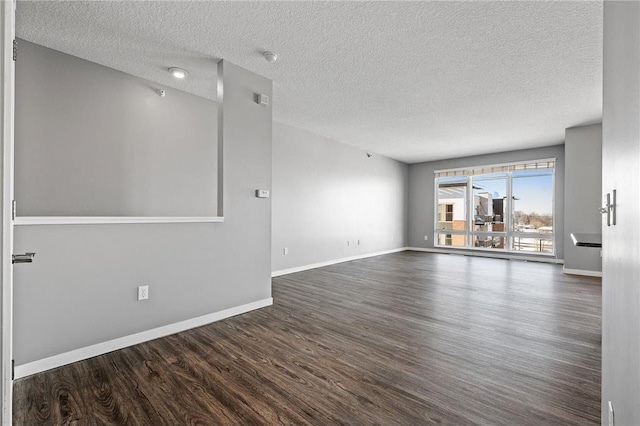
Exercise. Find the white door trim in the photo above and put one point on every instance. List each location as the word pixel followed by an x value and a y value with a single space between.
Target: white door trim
pixel 7 86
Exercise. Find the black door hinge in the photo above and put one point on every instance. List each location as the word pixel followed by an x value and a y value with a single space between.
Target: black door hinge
pixel 15 50
pixel 13 369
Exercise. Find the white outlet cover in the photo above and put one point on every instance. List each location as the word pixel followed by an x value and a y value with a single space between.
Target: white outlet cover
pixel 285 250
pixel 143 292
pixel 426 238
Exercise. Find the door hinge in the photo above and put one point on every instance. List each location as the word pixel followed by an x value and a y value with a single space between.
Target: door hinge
pixel 15 50
pixel 13 369
pixel 13 209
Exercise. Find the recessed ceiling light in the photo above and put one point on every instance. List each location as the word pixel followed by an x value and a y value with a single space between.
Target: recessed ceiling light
pixel 178 72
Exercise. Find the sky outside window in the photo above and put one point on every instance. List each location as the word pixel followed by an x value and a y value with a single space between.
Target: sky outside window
pixel 534 194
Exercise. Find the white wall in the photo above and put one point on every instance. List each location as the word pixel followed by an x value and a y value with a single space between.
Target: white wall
pixel 81 289
pixel 621 243
pixel 326 193
pixel 582 195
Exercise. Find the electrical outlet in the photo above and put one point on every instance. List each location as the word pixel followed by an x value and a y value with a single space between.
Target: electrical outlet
pixel 358 242
pixel 426 238
pixel 285 250
pixel 143 292
pixel 348 243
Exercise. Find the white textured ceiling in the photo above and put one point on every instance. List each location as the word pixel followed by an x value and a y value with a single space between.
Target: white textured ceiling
pixel 414 81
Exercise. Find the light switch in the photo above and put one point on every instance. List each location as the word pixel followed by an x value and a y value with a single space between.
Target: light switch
pixel 262 193
pixel 262 100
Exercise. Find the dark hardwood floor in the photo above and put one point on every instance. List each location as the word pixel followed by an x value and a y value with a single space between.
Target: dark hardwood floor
pixel 408 338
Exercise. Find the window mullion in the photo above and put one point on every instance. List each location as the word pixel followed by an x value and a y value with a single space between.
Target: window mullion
pixel 469 210
pixel 508 213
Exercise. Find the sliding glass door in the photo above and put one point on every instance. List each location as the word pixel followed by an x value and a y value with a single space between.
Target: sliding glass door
pixel 506 207
pixel 532 211
pixel 488 228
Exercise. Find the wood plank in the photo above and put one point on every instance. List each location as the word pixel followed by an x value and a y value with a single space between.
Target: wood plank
pixel 405 338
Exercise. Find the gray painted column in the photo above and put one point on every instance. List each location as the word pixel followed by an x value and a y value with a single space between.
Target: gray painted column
pixel 582 183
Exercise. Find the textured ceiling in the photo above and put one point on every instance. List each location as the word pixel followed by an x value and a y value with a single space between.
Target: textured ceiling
pixel 414 81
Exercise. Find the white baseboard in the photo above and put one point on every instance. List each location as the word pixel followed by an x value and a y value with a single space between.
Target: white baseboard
pixel 38 366
pixel 480 253
pixel 583 272
pixel 333 262
pixel 422 249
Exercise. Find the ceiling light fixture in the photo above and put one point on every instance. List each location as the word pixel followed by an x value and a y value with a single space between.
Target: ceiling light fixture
pixel 270 56
pixel 178 72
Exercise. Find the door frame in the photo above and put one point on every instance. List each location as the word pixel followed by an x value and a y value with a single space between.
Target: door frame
pixel 7 87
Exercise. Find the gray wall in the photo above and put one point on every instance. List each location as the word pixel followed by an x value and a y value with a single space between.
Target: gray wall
pixel 326 193
pixel 621 243
pixel 93 141
pixel 81 290
pixel 582 199
pixel 421 190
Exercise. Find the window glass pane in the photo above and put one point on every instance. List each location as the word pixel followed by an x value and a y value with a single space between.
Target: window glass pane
pixel 452 179
pixel 489 241
pixel 451 240
pixel 489 193
pixel 533 172
pixel 532 243
pixel 491 176
pixel 532 204
pixel 452 205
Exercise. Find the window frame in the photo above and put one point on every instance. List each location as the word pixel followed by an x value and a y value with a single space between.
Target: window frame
pixel 509 234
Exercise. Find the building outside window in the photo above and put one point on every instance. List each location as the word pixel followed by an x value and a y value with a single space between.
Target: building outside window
pixel 506 207
pixel 445 213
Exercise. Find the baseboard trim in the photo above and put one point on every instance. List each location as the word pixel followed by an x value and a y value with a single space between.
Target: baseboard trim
pixel 38 366
pixel 422 249
pixel 583 272
pixel 491 255
pixel 333 262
